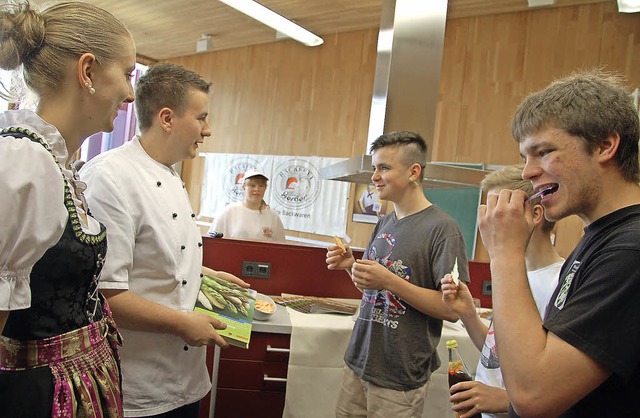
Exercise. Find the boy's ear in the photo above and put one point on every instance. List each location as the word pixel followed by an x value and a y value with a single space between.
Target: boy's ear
pixel 609 147
pixel 538 214
pixel 415 170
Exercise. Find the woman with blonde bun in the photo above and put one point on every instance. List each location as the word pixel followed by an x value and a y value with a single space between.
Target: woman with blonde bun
pixel 58 343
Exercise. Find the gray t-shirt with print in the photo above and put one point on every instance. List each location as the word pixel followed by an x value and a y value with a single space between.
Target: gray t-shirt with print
pixel 394 345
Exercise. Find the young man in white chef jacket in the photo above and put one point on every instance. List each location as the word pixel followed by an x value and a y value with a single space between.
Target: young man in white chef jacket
pixel 152 271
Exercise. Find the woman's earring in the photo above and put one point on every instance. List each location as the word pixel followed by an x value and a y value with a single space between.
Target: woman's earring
pixel 90 88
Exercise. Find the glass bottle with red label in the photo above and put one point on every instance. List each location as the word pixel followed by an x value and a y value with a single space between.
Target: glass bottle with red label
pixel 458 371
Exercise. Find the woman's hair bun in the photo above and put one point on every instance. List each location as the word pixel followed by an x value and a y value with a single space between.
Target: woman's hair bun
pixel 21 33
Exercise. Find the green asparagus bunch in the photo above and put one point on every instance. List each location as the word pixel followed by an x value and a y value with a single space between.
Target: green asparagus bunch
pixel 220 294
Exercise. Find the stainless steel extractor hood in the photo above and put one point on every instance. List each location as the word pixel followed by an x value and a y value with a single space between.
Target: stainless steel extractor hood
pixel 405 90
pixel 437 176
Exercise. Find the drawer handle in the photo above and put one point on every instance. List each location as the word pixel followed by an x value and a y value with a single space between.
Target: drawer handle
pixel 277 350
pixel 274 379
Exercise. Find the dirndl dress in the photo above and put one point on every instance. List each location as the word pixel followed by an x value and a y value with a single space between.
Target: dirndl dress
pixel 59 358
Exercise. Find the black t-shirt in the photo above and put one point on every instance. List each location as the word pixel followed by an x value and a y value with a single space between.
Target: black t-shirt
pixel 596 308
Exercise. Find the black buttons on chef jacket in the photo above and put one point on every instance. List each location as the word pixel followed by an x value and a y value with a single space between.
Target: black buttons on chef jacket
pixel 182 247
pixel 199 244
pixel 184 282
pixel 186 348
pixel 193 215
pixel 175 215
pixel 159 184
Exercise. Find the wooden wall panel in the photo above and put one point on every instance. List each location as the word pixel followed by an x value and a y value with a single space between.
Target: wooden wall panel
pixel 509 55
pixel 620 43
pixel 286 99
pixel 466 8
pixel 451 90
pixel 492 87
pixel 562 42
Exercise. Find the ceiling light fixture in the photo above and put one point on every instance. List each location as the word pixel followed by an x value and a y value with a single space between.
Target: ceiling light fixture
pixel 275 21
pixel 204 43
pixel 629 6
pixel 540 3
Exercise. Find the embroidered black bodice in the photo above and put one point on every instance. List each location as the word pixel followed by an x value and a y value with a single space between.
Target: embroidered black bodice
pixel 64 282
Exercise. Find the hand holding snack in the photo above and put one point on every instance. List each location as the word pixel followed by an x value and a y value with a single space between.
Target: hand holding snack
pixel 339 256
pixel 457 296
pixel 340 244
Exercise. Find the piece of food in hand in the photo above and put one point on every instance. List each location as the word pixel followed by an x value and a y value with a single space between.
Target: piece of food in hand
pixel 485 313
pixel 455 274
pixel 340 244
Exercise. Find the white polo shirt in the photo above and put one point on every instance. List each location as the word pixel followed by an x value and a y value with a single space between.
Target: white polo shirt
pixel 155 251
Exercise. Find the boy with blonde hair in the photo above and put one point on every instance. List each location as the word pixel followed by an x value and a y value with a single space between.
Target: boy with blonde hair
pixel 486 394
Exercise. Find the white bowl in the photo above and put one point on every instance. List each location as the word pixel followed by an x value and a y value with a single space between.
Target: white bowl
pixel 262 315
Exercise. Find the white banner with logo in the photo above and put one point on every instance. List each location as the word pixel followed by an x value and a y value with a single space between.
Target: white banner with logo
pixel 304 202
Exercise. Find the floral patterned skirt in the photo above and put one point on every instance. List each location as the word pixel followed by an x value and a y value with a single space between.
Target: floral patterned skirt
pixel 83 363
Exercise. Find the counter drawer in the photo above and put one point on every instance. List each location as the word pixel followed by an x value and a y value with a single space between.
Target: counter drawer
pixel 235 403
pixel 248 374
pixel 262 347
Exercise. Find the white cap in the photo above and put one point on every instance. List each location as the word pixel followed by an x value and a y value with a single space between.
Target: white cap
pixel 253 173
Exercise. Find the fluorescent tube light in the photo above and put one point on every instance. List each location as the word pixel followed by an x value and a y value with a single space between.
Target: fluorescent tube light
pixel 275 21
pixel 628 6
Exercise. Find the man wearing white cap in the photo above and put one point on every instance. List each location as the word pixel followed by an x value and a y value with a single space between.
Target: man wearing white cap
pixel 250 218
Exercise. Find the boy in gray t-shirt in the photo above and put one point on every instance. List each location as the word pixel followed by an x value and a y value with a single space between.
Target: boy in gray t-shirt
pixel 392 351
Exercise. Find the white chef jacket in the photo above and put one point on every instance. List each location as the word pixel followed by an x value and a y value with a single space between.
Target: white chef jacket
pixel 155 251
pixel 32 211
